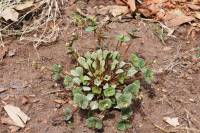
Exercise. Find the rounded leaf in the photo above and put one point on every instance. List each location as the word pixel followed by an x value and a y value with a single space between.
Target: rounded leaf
pixel 94 123
pixel 131 72
pixel 109 92
pixel 68 114
pixel 57 68
pixel 90 96
pixel 126 113
pixel 96 90
pixel 83 62
pixel 105 104
pixel 123 125
pixel 78 71
pixel 81 101
pixel 124 101
pixel 93 105
pixel 133 88
pixel 68 82
pixel 76 91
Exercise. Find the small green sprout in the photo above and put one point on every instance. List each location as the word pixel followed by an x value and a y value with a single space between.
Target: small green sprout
pixel 122 39
pixel 94 123
pixel 68 114
pixel 78 19
pixel 93 25
pixel 56 69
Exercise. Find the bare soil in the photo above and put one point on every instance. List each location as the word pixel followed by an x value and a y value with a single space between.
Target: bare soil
pixel 175 93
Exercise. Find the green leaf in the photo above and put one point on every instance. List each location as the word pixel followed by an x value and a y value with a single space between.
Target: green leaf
pixel 68 82
pixel 123 38
pixel 56 76
pixel 86 88
pixel 131 72
pixel 76 80
pixel 123 125
pixel 114 64
pixel 105 104
pixel 96 90
pixel 106 86
pixel 117 95
pixel 126 113
pixel 89 62
pixel 93 105
pixel 115 55
pixel 90 74
pixel 68 114
pixel 122 64
pixel 97 82
pixel 83 62
pixel 94 65
pixel 124 101
pixel 109 92
pixel 90 28
pixel 82 78
pixel 78 71
pixel 148 75
pixel 87 55
pixel 76 91
pixel 90 96
pixel 122 77
pixel 57 68
pixel 105 54
pixel 86 78
pixel 81 101
pixel 137 61
pixel 94 123
pixel 133 88
pixel 113 85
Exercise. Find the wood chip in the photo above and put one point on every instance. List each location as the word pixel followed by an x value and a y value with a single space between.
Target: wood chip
pixel 172 121
pixel 18 117
pixel 60 101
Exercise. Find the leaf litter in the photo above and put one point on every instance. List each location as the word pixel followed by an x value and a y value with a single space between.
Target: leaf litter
pixel 170 13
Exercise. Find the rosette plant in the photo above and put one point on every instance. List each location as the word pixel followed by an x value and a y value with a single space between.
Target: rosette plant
pixel 103 81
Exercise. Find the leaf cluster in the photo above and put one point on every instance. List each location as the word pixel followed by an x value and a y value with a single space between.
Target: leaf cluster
pixel 99 84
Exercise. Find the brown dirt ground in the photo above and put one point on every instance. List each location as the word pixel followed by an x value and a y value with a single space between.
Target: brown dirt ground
pixel 177 92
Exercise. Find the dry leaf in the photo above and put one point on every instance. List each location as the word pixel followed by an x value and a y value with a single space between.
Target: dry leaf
pixel 194 7
pixel 9 14
pixel 176 18
pixel 197 15
pixel 3 90
pixel 114 10
pixel 24 6
pixel 19 118
pixel 172 121
pixel 131 4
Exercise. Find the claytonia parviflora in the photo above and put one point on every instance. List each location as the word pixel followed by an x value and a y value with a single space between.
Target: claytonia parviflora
pixel 103 81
